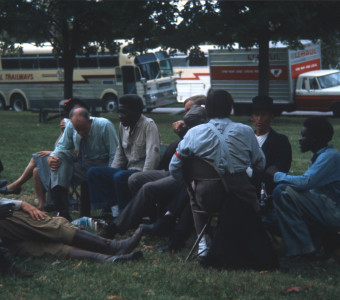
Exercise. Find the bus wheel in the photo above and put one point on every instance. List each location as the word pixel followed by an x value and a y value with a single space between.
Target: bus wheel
pixel 18 103
pixel 2 103
pixel 336 110
pixel 110 103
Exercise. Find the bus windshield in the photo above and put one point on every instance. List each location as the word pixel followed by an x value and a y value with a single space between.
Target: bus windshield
pixel 154 66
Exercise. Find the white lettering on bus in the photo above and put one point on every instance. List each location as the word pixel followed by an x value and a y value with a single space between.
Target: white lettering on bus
pixel 18 76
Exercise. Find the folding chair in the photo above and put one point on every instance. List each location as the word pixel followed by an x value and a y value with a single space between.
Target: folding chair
pixel 200 169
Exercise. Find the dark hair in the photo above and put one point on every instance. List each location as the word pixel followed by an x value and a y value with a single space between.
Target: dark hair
pixel 132 102
pixel 219 104
pixel 83 112
pixel 70 103
pixel 319 128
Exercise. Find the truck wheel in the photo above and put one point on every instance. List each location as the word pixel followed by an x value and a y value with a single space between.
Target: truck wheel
pixel 18 103
pixel 336 111
pixel 110 103
pixel 2 103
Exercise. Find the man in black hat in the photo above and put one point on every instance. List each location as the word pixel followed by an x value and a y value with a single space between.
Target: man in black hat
pixel 275 146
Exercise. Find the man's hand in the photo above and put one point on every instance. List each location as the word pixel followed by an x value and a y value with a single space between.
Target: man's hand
pixel 179 128
pixel 271 170
pixel 62 125
pixel 44 153
pixel 6 210
pixel 35 213
pixel 54 163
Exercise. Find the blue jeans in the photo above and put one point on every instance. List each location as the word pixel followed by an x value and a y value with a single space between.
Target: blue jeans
pixel 108 186
pixel 303 217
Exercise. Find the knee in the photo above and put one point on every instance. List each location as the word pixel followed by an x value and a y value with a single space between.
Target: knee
pixel 92 172
pixel 133 181
pixel 35 173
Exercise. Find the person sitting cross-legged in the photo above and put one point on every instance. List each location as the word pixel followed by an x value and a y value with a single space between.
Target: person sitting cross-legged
pixel 308 205
pixel 25 230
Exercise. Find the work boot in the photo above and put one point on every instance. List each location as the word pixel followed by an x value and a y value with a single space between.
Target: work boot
pixel 59 197
pixel 163 226
pixel 76 253
pixel 89 241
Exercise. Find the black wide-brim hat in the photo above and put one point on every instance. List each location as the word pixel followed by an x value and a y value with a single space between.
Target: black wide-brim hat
pixel 263 103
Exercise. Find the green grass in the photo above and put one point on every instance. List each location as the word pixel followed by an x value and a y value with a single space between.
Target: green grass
pixel 158 276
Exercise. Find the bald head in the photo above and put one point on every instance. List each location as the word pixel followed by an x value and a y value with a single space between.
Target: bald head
pixel 81 121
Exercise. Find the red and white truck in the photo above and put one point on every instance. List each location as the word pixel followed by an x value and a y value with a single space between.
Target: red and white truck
pixel 296 80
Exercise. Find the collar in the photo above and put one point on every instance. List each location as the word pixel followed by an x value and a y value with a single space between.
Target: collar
pixel 317 153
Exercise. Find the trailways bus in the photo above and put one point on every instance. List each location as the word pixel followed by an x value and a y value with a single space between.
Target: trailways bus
pixel 35 79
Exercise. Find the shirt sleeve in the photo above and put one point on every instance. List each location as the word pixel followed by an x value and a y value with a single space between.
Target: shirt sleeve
pixel 152 147
pixel 120 160
pixel 184 149
pixel 110 140
pixel 66 141
pixel 320 169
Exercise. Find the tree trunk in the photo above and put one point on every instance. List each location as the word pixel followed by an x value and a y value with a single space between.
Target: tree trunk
pixel 68 75
pixel 264 65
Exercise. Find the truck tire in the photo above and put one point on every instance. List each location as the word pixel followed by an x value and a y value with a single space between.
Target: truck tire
pixel 336 111
pixel 2 103
pixel 18 103
pixel 110 103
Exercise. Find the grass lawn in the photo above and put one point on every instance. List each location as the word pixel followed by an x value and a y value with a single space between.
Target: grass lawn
pixel 157 276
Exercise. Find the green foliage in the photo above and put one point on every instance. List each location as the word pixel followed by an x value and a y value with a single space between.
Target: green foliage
pixel 157 276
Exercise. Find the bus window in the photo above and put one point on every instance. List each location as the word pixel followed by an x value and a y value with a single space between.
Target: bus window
pixel 47 63
pixel 108 61
pixel 87 62
pixel 166 68
pixel 29 63
pixel 10 63
pixel 179 61
pixel 150 70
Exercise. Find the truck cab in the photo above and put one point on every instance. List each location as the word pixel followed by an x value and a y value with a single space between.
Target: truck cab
pixel 318 90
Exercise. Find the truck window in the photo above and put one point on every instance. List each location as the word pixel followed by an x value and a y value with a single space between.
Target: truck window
pixel 313 84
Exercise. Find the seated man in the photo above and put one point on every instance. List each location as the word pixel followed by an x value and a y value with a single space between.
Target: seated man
pixel 138 150
pixel 231 146
pixel 94 139
pixel 25 230
pixel 157 191
pixel 38 166
pixel 275 146
pixel 307 205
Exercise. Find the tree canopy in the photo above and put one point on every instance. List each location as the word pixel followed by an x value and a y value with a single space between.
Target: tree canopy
pixel 82 27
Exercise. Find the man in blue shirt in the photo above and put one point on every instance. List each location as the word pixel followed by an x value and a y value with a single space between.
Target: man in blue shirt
pixel 231 146
pixel 307 205
pixel 86 142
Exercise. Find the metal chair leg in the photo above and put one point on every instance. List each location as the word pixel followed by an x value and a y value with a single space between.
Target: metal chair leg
pixel 199 238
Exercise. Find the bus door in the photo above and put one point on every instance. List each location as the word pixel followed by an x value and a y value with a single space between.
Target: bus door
pixel 130 76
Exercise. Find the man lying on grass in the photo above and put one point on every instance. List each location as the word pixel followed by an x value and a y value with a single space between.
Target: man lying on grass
pixel 308 206
pixel 25 230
